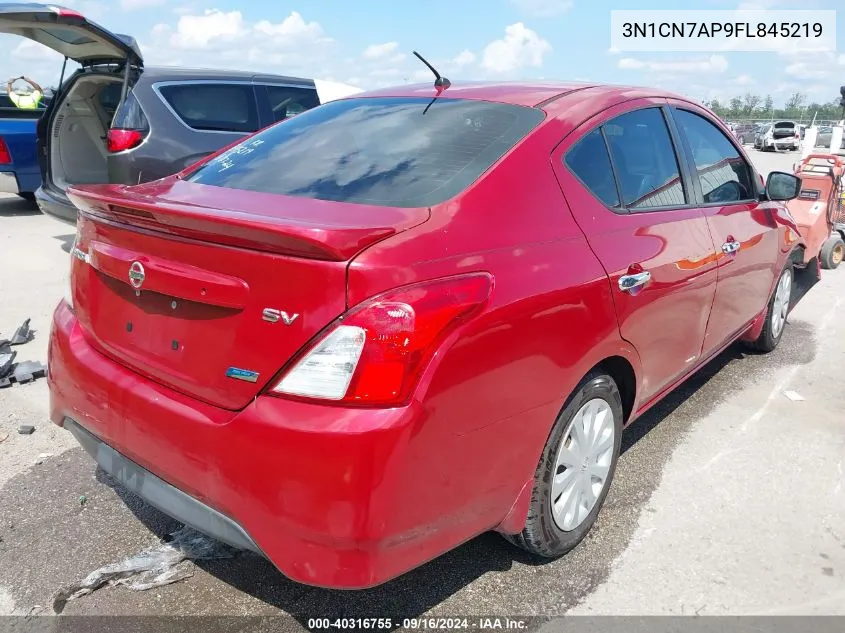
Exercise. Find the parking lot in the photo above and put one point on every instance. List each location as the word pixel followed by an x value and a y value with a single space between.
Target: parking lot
pixel 729 497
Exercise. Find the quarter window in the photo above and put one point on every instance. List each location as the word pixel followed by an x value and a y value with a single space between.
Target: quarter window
pixel 644 160
pixel 590 162
pixel 286 101
pixel 216 107
pixel 723 174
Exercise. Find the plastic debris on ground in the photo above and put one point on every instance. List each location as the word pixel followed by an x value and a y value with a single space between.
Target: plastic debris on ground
pixel 153 567
pixel 794 396
pixel 3 437
pixel 23 372
pixel 26 429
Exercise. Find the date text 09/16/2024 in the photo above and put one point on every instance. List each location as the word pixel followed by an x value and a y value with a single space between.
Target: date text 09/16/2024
pixel 421 624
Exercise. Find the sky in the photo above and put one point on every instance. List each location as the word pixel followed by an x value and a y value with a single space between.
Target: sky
pixel 369 44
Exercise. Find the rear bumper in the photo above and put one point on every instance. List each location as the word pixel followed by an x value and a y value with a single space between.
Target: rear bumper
pixel 159 493
pixel 334 497
pixel 55 205
pixel 8 182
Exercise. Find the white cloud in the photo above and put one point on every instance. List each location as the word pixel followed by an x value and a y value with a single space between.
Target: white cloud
pixel 464 58
pixel 543 8
pixel 613 51
pixel 712 64
pixel 293 26
pixel 520 47
pixel 379 51
pixel 134 5
pixel 743 80
pixel 807 71
pixel 198 31
pixel 841 60
pixel 31 51
pixel 226 39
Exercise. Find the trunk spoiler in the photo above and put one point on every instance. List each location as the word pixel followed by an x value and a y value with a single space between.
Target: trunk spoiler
pixel 299 227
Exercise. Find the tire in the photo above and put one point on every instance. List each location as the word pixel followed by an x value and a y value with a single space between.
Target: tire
pixel 776 314
pixel 542 535
pixel 28 196
pixel 833 252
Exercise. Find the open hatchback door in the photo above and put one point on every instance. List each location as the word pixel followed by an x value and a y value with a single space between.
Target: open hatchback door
pixel 68 32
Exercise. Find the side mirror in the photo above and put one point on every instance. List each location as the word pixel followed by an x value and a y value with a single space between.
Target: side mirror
pixel 782 186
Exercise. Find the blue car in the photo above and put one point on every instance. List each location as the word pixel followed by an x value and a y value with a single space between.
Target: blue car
pixel 20 172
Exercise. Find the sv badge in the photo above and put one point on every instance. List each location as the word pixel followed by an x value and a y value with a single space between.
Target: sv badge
pixel 274 316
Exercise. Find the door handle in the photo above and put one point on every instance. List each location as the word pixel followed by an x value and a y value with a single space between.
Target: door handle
pixel 730 247
pixel 629 282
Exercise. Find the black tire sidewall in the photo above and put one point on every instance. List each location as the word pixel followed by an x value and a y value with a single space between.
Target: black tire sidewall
pixel 543 529
pixel 827 252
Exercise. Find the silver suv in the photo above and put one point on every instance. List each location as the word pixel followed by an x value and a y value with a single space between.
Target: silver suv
pixel 116 122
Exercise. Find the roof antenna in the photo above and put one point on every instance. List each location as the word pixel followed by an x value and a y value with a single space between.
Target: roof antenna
pixel 441 83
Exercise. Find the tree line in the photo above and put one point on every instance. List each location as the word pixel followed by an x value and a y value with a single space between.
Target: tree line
pixel 796 107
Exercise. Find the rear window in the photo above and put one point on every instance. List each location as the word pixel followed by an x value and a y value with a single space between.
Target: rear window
pixel 403 152
pixel 214 107
pixel 784 125
pixel 130 116
pixel 9 110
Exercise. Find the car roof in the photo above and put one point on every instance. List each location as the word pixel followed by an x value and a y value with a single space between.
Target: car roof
pixel 523 93
pixel 178 73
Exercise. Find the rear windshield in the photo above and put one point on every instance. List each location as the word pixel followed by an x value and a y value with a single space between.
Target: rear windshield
pixel 403 152
pixel 784 124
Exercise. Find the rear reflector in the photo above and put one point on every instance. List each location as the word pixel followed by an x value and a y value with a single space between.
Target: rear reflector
pixel 377 353
pixel 122 140
pixel 5 156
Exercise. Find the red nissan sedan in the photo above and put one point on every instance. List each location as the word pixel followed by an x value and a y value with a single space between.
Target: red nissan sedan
pixel 369 333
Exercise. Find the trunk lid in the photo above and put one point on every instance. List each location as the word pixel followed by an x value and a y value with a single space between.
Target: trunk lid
pixel 211 293
pixel 68 32
pixel 784 130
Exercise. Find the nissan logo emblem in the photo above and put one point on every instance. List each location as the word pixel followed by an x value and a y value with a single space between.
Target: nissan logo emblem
pixel 136 275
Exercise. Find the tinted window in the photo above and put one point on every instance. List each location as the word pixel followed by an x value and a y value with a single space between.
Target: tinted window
pixel 222 107
pixel 286 101
pixel 130 116
pixel 645 161
pixel 405 152
pixel 722 172
pixel 590 162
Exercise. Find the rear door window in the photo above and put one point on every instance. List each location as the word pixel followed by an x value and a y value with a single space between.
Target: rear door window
pixel 288 101
pixel 402 152
pixel 220 107
pixel 644 160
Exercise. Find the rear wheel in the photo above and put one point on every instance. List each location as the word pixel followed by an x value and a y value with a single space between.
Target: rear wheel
pixel 777 313
pixel 833 252
pixel 575 470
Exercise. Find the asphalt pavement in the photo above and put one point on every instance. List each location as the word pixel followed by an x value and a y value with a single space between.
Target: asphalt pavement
pixel 729 497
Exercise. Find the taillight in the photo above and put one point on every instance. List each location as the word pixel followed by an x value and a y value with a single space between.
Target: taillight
pixel 5 156
pixel 76 251
pixel 121 140
pixel 376 353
